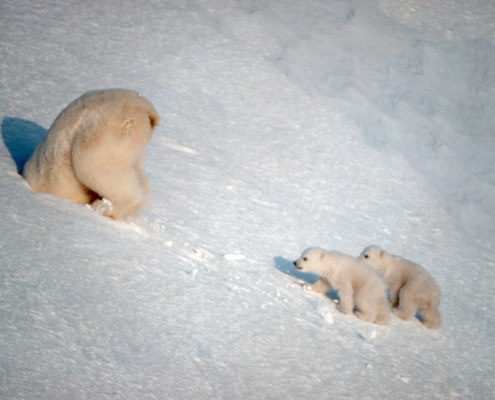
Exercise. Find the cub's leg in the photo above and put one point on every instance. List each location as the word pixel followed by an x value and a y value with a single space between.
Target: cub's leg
pixel 394 289
pixel 346 304
pixel 383 315
pixel 367 309
pixel 321 286
pixel 431 317
pixel 407 304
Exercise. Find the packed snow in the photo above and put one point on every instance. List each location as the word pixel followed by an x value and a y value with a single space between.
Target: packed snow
pixel 285 125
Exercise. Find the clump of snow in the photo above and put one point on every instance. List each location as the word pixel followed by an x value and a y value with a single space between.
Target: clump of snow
pixel 101 206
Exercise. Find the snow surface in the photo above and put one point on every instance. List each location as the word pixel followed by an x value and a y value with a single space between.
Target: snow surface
pixel 285 124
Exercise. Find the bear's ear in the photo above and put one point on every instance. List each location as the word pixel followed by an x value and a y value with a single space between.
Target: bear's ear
pixel 154 120
pixel 382 252
pixel 322 256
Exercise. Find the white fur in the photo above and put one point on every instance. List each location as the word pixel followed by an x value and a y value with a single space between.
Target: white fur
pixel 356 282
pixel 94 150
pixel 411 288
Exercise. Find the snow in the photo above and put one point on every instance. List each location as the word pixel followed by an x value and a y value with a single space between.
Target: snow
pixel 285 125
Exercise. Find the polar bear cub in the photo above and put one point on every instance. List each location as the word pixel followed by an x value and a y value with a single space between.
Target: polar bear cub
pixel 93 152
pixel 356 282
pixel 411 288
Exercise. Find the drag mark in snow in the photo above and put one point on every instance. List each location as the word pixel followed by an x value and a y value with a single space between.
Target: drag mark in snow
pixel 181 148
pixel 177 147
pixel 263 203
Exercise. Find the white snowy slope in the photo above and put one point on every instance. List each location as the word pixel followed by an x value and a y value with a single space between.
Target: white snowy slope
pixel 285 124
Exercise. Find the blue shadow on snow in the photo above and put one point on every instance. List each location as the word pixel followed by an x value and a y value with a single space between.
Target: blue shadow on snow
pixel 21 138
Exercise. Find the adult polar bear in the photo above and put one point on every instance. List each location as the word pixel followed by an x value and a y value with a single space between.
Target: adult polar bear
pixel 411 288
pixel 356 282
pixel 94 151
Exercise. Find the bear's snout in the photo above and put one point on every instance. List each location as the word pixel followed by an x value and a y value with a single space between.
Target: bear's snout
pixel 297 266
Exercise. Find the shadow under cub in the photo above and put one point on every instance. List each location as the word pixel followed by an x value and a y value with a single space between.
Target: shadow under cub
pixel 21 138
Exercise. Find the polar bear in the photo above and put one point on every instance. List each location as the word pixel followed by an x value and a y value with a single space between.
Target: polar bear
pixel 93 152
pixel 356 282
pixel 411 288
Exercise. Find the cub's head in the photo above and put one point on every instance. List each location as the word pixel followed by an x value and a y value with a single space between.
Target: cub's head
pixel 310 259
pixel 373 255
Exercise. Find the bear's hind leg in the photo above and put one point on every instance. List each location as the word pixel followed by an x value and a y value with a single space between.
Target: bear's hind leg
pixel 124 193
pixel 118 184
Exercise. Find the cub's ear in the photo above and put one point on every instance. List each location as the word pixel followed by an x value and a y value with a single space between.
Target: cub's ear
pixel 322 256
pixel 382 252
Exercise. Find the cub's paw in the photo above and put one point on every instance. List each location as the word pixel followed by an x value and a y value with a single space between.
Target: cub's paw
pixel 306 286
pixel 399 314
pixel 342 309
pixel 362 316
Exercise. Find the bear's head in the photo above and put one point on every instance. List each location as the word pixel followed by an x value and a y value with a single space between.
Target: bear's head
pixel 373 255
pixel 310 259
